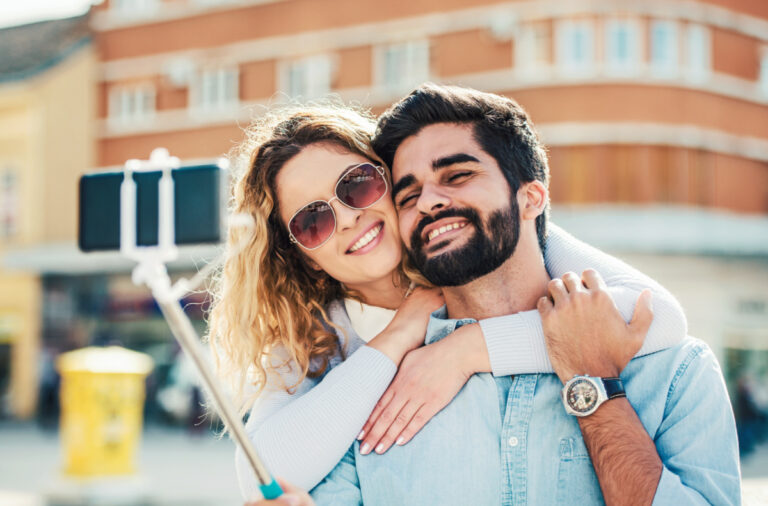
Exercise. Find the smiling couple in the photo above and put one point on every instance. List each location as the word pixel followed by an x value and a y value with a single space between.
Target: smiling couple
pixel 509 375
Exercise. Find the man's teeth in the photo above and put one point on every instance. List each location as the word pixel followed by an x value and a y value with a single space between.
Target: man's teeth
pixel 371 235
pixel 445 229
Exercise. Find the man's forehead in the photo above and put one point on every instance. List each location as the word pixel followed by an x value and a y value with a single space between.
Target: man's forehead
pixel 432 143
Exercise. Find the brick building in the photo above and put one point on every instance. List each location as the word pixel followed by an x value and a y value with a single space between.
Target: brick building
pixel 638 101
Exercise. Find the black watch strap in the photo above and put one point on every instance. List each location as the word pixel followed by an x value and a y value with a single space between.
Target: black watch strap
pixel 614 387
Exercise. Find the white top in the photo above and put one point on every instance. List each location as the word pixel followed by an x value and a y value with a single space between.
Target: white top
pixel 302 436
pixel 368 321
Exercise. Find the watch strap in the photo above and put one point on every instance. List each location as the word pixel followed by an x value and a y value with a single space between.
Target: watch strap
pixel 614 387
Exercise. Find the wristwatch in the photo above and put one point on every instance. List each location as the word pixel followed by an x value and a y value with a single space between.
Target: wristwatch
pixel 582 395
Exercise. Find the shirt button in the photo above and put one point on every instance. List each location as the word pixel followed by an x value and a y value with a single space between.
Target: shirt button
pixel 512 441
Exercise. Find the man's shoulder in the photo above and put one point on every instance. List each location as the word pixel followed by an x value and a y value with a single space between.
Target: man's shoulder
pixel 688 350
pixel 669 365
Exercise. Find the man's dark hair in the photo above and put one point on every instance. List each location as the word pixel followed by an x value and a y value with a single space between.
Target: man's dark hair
pixel 501 128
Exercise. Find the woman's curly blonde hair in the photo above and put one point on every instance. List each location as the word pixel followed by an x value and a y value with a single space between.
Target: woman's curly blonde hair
pixel 266 296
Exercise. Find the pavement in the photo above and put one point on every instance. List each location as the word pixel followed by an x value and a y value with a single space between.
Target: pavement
pixel 174 468
pixel 177 468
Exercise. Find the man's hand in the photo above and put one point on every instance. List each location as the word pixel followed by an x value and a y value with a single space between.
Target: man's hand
pixel 584 331
pixel 292 496
pixel 428 379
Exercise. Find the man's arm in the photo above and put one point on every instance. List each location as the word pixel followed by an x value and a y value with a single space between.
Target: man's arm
pixel 586 335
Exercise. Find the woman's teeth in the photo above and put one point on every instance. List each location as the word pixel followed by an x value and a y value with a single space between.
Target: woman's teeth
pixel 444 229
pixel 367 238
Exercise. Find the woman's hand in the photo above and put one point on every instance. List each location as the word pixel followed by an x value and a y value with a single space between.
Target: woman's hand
pixel 292 496
pixel 428 379
pixel 407 329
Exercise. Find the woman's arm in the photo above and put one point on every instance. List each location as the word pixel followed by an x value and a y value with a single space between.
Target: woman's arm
pixel 515 343
pixel 302 436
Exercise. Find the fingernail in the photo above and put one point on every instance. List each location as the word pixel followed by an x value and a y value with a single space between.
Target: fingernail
pixel 400 441
pixel 380 448
pixel 361 435
pixel 365 449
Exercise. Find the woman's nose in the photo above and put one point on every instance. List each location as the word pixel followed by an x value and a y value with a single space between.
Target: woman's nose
pixel 346 217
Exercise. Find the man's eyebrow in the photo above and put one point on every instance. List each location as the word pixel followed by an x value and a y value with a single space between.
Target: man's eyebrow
pixel 452 159
pixel 403 183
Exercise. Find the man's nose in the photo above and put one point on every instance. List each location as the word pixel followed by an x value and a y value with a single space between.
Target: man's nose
pixel 346 217
pixel 432 198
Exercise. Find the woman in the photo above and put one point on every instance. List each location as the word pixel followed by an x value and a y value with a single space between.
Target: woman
pixel 305 311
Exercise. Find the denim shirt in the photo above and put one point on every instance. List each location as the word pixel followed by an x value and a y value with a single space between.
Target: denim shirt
pixel 509 440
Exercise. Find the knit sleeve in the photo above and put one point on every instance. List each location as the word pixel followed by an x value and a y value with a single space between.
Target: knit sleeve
pixel 516 342
pixel 303 435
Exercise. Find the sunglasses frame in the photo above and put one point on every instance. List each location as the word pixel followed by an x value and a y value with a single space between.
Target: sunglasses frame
pixel 383 175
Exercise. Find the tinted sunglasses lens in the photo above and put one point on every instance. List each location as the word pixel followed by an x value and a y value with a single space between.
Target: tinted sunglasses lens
pixel 313 225
pixel 361 187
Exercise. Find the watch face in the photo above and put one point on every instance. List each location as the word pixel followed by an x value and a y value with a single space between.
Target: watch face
pixel 581 395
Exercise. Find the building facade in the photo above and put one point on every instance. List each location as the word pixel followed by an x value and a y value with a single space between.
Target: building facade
pixel 638 101
pixel 46 140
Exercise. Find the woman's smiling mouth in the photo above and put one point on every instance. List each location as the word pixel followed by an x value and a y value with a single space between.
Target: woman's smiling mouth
pixel 367 238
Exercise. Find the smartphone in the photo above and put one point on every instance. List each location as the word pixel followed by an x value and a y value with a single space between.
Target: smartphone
pixel 198 207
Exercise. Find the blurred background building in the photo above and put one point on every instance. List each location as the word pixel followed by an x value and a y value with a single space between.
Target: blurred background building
pixel 47 119
pixel 655 114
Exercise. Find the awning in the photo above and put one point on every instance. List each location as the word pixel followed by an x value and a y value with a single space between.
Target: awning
pixel 66 258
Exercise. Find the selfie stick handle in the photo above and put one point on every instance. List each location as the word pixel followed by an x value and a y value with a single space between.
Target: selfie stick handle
pixel 151 271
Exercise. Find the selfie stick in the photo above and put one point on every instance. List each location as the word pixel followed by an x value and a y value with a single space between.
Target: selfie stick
pixel 151 271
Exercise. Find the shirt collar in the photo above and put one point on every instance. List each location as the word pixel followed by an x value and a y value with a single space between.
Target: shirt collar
pixel 440 325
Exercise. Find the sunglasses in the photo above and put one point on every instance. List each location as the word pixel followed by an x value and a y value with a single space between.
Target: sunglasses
pixel 360 187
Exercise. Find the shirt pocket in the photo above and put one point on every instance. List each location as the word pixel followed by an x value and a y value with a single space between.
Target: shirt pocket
pixel 576 479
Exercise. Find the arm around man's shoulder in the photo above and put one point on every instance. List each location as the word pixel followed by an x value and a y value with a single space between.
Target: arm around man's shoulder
pixel 696 439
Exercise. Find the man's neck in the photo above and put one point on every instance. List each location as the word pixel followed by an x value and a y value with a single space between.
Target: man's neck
pixel 515 286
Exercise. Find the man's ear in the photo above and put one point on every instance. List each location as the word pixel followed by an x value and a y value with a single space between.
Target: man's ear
pixel 535 197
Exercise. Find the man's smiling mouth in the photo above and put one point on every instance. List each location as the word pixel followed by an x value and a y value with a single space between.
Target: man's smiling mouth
pixel 442 230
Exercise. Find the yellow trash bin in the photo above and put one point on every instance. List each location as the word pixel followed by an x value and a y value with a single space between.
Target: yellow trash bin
pixel 102 400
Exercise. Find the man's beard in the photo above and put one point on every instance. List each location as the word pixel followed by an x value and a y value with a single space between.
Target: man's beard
pixel 489 247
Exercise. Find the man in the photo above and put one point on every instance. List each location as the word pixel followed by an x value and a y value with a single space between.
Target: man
pixel 471 160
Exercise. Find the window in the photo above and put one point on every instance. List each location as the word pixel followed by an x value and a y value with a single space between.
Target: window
pixel 9 203
pixel 131 104
pixel 664 48
pixel 404 65
pixel 533 47
pixel 622 46
pixel 575 46
pixel 698 52
pixel 215 90
pixel 309 77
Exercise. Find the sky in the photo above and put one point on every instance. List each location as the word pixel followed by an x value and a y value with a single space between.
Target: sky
pixel 19 12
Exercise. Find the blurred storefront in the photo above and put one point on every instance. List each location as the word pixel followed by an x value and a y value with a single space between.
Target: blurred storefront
pixel 46 139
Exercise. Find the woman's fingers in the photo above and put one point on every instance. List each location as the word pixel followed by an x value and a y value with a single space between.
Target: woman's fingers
pixel 392 433
pixel 386 398
pixel 381 423
pixel 292 496
pixel 418 421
